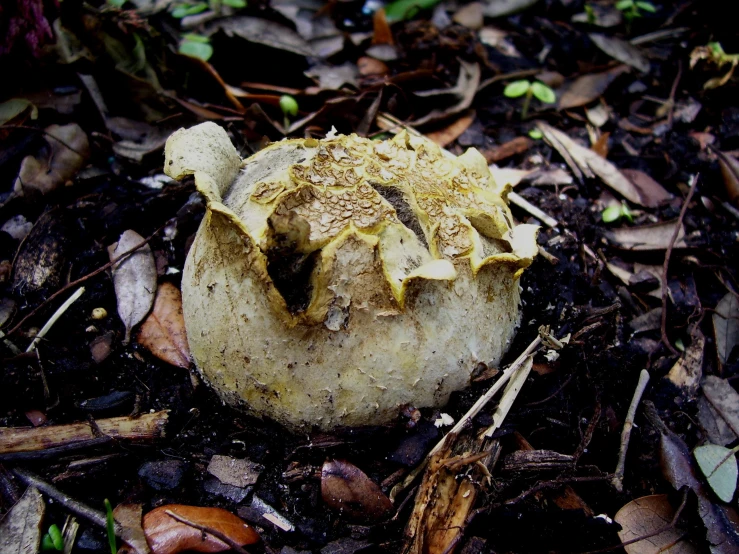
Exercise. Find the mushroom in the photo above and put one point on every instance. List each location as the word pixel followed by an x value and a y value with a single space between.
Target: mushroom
pixel 333 281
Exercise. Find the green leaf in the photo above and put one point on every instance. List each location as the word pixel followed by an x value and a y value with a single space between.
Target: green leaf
pixel 719 466
pixel 47 543
pixel 624 5
pixel 234 3
pixel 611 214
pixel 56 537
pixel 117 3
pixel 535 134
pixel 289 105
pixel 646 6
pixel 516 89
pixel 626 212
pixel 200 50
pixel 184 10
pixel 406 9
pixel 543 92
pixel 196 38
pixel 110 526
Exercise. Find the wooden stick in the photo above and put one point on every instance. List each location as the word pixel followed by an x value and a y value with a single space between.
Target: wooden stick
pixel 29 439
pixel 618 477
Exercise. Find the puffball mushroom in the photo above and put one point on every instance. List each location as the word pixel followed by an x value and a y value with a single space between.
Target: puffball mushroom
pixel 333 281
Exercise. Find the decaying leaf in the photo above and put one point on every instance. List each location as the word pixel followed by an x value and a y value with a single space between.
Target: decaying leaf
pixel 647 237
pixel 167 535
pixel 587 88
pixel 686 374
pixel 584 161
pixel 129 516
pixel 652 193
pixel 163 332
pixel 450 133
pixel 500 8
pixel 233 471
pixel 68 152
pixel 20 530
pixel 621 50
pixel 722 402
pixel 726 326
pixel 263 31
pixel 347 488
pixel 730 171
pixel 465 90
pixel 134 278
pixel 718 465
pixel 646 515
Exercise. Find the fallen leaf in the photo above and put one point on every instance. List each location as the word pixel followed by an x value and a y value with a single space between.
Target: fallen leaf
pixel 718 465
pixel 263 31
pixel 137 138
pixel 726 326
pixel 518 145
pixel 134 279
pixel 724 401
pixel 730 171
pixel 166 535
pixel 330 77
pixel 500 8
pixel 600 16
pixel 646 515
pixel 371 66
pixel 68 151
pixel 651 192
pixel 233 471
pixel 163 332
pixel 20 530
pixel 647 237
pixel 713 424
pixel 381 29
pixel 449 134
pixel 346 488
pixel 129 517
pixel 687 372
pixel 470 16
pixel 10 109
pixel 621 50
pixel 465 90
pixel 587 88
pixel 584 161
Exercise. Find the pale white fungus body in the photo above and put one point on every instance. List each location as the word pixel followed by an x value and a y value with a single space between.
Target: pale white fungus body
pixel 333 281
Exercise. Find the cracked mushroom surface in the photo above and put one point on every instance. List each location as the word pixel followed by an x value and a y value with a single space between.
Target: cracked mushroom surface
pixel 333 281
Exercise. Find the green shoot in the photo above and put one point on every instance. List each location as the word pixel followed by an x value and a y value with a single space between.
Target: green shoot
pixel 183 10
pixel 196 46
pixel 632 9
pixel 110 525
pixel 614 213
pixel 535 134
pixel 406 9
pixel 590 13
pixel 523 87
pixel 53 539
pixel 714 54
pixel 289 107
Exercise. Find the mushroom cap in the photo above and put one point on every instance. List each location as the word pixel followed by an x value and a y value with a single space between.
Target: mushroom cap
pixel 333 281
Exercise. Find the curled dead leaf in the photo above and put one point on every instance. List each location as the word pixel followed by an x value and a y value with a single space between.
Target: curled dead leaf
pixel 347 488
pixel 167 535
pixel 163 332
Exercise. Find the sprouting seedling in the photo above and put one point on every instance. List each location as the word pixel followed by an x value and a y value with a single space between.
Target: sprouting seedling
pixel 633 9
pixel 110 526
pixel 53 540
pixel 196 46
pixel 616 212
pixel 524 87
pixel 289 107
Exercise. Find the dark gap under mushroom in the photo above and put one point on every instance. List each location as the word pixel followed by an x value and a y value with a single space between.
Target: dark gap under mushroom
pixel 405 213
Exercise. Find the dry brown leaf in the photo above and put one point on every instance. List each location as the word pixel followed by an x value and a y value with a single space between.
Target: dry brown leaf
pixel 163 332
pixel 621 50
pixel 518 145
pixel 129 516
pixel 345 487
pixel 20 529
pixel 652 193
pixel 687 372
pixel 587 88
pixel 464 90
pixel 470 16
pixel 647 237
pixel 371 66
pixel 166 535
pixel 600 146
pixel 381 29
pixel 718 410
pixel 449 134
pixel 726 326
pixel 646 515
pixel 134 279
pixel 68 152
pixel 730 171
pixel 263 31
pixel 584 161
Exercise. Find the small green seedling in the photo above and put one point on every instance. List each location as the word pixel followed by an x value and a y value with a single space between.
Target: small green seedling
pixel 614 213
pixel 633 9
pixel 535 134
pixel 110 526
pixel 289 107
pixel 53 540
pixel 406 9
pixel 524 87
pixel 714 53
pixel 196 46
pixel 193 8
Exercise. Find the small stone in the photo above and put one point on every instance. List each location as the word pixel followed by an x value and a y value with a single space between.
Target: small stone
pixel 216 487
pixel 234 471
pixel 163 475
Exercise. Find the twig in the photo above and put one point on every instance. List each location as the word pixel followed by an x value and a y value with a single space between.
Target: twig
pixel 525 205
pixel 666 264
pixel 209 530
pixel 57 314
pixel 83 279
pixel 618 477
pixel 74 506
